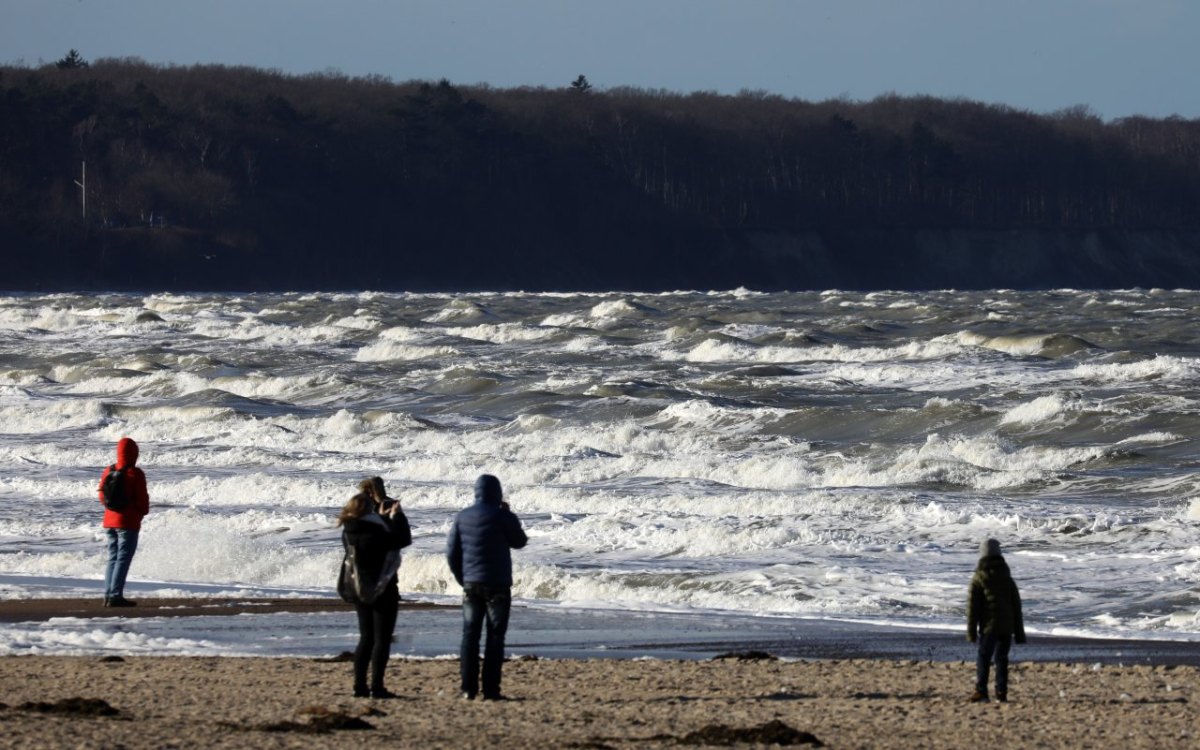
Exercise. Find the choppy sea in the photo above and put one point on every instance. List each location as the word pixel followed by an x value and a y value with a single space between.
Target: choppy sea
pixel 808 455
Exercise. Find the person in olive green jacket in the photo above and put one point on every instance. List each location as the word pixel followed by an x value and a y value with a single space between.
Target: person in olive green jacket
pixel 993 619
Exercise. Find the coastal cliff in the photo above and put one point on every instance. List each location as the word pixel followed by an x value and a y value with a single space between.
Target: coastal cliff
pixel 980 258
pixel 124 175
pixel 761 259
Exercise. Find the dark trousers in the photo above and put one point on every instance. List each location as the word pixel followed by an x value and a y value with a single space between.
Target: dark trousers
pixel 491 604
pixel 992 647
pixel 122 543
pixel 376 623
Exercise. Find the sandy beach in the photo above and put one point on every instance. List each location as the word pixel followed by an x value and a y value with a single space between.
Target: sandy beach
pixel 610 703
pixel 836 689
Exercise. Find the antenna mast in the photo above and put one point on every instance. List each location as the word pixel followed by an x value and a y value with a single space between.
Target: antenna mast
pixel 83 186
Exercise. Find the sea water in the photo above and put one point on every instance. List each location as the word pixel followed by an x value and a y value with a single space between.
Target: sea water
pixel 804 455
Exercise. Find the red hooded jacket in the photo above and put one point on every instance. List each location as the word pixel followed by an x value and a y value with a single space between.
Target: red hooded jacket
pixel 129 517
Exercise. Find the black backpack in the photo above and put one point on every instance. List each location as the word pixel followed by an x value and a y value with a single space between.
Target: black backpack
pixel 112 489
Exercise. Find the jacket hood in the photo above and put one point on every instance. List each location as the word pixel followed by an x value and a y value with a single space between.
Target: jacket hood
pixel 989 548
pixel 993 567
pixel 127 453
pixel 488 491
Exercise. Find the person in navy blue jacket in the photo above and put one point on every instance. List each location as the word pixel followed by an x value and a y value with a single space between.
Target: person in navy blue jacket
pixel 479 552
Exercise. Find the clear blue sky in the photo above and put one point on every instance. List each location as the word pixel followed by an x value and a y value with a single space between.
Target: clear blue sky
pixel 1120 57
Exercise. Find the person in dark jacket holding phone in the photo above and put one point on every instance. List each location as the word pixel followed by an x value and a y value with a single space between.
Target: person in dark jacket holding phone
pixel 376 540
pixel 993 619
pixel 373 488
pixel 123 526
pixel 478 550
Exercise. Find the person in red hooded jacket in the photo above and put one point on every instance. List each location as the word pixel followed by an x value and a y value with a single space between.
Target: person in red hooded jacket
pixel 121 527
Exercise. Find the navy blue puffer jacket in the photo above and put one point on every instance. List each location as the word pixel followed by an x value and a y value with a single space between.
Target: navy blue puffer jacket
pixel 478 548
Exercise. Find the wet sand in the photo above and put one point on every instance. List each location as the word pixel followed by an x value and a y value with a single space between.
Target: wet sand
pixel 432 630
pixel 40 610
pixel 590 703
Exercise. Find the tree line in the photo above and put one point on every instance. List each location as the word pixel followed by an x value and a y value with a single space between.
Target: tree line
pixel 233 177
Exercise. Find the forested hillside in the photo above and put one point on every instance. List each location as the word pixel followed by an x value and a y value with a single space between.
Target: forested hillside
pixel 216 177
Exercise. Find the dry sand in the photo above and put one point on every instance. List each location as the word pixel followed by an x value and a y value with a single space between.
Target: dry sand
pixel 288 702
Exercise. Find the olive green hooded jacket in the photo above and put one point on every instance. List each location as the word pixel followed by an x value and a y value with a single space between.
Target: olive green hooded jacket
pixel 993 602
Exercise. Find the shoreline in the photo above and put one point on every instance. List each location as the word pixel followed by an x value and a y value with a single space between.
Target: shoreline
pixel 429 630
pixel 152 702
pixel 43 609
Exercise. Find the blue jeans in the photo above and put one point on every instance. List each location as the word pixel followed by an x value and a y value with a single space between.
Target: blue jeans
pixel 490 603
pixel 122 543
pixel 992 646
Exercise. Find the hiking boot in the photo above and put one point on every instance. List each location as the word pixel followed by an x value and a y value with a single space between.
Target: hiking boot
pixel 1002 697
pixel 361 692
pixel 467 695
pixel 978 697
pixel 119 601
pixel 382 693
